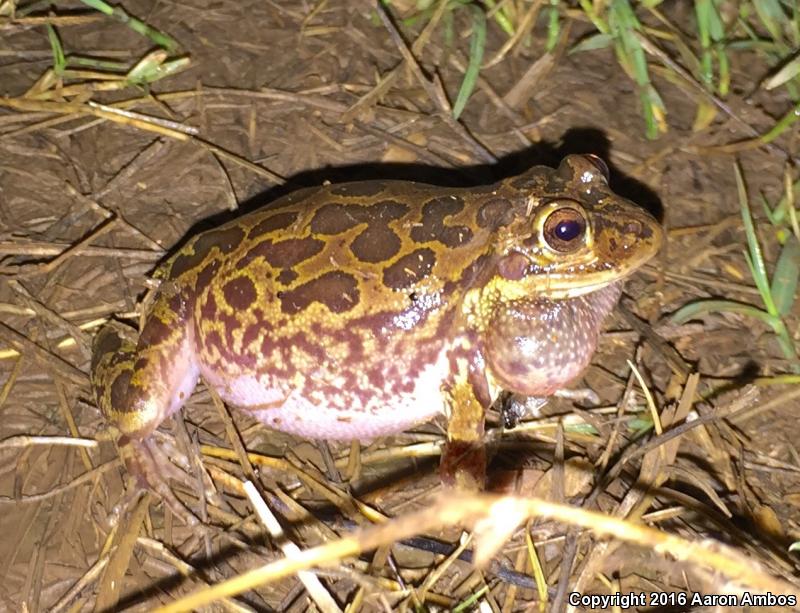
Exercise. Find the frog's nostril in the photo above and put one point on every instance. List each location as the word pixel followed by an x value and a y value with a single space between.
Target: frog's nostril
pixel 633 227
pixel 600 164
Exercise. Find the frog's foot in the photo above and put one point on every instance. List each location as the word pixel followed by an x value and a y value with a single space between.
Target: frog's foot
pixel 151 469
pixel 463 466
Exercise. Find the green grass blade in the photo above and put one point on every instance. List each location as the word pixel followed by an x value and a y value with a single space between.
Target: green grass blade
pixel 501 18
pixel 59 61
pixel 772 16
pixel 783 211
pixel 476 47
pixel 553 26
pixel 702 307
pixel 593 42
pixel 775 216
pixel 640 425
pixel 724 70
pixel 783 123
pixel 137 25
pixel 101 6
pixel 755 257
pixel 624 27
pixel 466 604
pixel 594 16
pixel 702 10
pixel 784 279
pixel 96 64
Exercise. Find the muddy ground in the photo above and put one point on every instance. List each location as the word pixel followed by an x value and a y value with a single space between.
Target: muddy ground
pixel 271 82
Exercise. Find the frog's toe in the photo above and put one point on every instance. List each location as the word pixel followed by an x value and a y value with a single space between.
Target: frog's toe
pixel 151 470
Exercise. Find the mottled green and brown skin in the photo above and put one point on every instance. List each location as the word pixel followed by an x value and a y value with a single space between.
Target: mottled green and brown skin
pixel 356 310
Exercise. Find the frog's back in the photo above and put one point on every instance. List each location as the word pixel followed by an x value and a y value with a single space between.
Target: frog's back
pixel 371 226
pixel 339 298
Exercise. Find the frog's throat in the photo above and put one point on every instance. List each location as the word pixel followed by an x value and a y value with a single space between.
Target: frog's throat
pixel 537 345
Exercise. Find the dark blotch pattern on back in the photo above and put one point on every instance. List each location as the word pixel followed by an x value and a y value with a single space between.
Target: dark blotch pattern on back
pixel 433 227
pixel 337 290
pixel 496 213
pixel 289 253
pixel 119 391
pixel 409 269
pixel 283 254
pixel 336 218
pixel 208 309
pixel 206 275
pixel 225 240
pixel 376 244
pixel 155 332
pixel 287 277
pixel 279 221
pixel 253 331
pixel 239 293
pixel 107 342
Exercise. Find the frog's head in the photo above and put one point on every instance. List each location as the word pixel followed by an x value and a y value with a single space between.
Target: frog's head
pixel 557 271
pixel 575 236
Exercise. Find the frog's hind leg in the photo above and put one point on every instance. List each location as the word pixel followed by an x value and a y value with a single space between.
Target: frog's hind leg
pixel 137 385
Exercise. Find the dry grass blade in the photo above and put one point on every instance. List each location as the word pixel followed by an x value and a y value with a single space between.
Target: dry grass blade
pixel 63 343
pixel 83 479
pixel 437 572
pixel 41 249
pixel 87 579
pixel 109 589
pixel 42 355
pixel 386 82
pixel 521 30
pixel 53 20
pixel 82 339
pixel 741 571
pixel 651 405
pixel 23 440
pixel 35 269
pixel 316 590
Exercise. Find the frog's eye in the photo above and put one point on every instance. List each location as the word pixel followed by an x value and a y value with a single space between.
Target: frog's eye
pixel 598 163
pixel 564 230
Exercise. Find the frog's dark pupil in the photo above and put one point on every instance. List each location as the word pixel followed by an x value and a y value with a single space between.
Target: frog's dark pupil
pixel 568 230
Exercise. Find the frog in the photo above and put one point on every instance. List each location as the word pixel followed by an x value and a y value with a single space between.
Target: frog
pixel 358 310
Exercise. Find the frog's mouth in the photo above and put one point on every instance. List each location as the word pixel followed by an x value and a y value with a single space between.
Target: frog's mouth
pixel 578 281
pixel 568 291
pixel 563 285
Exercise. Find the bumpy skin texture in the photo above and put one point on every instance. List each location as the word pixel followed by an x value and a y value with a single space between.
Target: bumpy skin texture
pixel 355 310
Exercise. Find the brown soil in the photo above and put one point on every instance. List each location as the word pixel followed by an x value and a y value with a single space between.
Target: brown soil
pixel 270 85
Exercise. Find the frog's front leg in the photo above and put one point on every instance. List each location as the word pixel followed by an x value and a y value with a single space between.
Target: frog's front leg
pixel 139 384
pixel 467 398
